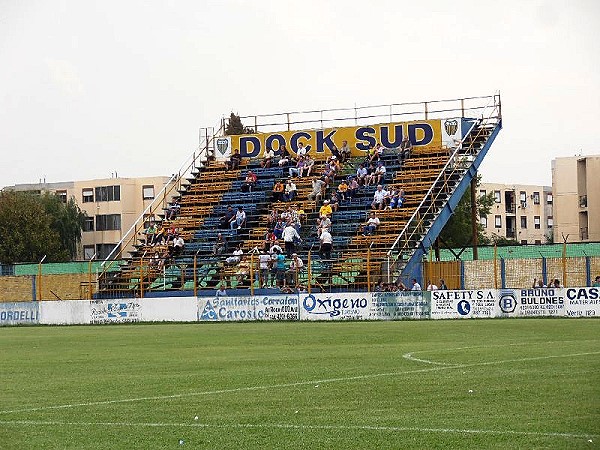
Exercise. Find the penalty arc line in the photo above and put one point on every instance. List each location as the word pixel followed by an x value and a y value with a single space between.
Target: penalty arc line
pixel 302 427
pixel 286 385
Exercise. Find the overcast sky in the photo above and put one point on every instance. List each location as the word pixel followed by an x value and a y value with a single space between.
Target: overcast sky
pixel 88 88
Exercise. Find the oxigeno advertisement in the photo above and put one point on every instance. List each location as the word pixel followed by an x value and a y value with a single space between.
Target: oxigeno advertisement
pixel 423 134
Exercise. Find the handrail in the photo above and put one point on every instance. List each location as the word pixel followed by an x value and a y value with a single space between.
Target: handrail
pixel 159 199
pixel 452 160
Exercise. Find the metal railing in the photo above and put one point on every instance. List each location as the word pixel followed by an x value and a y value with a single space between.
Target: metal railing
pixel 367 115
pixel 459 161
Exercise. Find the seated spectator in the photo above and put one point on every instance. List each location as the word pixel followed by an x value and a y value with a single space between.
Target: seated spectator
pixel 234 160
pixel 335 152
pixel 290 191
pixel 272 219
pixel 220 245
pixel 396 198
pixel 236 257
pixel 379 173
pixel 379 198
pixel 361 175
pixel 345 152
pixel 326 244
pixel 278 190
pixel 342 190
pixel 239 220
pixel 301 152
pixel 173 210
pixel 405 148
pixel 284 156
pixel 150 232
pixel 275 247
pixel 318 189
pixel 294 270
pixel 278 230
pixel 249 182
pixel 267 158
pixel 352 188
pixel 376 153
pixel 309 163
pixel 334 201
pixel 323 223
pixel 170 234
pixel 297 171
pixel 325 210
pixel 371 225
pixel 160 236
pixel 225 220
pixel 178 245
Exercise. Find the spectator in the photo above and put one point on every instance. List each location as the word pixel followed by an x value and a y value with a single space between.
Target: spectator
pixel 405 148
pixel 295 268
pixel 275 248
pixel 556 284
pixel 345 152
pixel 220 245
pixel 267 158
pixel 290 236
pixel 309 163
pixel 278 263
pixel 335 152
pixel 278 230
pixel 264 262
pixel 234 160
pixel 538 283
pixel 221 292
pixel 342 190
pixel 236 256
pixel 178 245
pixel 361 174
pixel 334 201
pixel 431 286
pixel 416 286
pixel 301 150
pixel 278 191
pixel 396 198
pixel 284 156
pixel 378 198
pixel 150 233
pixel 379 174
pixel 298 169
pixel 318 188
pixel 249 182
pixel 290 190
pixel 225 220
pixel 352 188
pixel 443 286
pixel 325 210
pixel 239 220
pixel 326 241
pixel 596 282
pixel 272 219
pixel 173 210
pixel 371 225
pixel 323 223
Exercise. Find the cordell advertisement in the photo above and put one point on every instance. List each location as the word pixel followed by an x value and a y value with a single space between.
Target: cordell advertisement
pixel 267 307
pixel 19 313
pixel 463 304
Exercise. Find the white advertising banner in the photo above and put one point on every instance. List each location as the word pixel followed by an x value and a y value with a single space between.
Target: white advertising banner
pixel 476 303
pixel 399 305
pixel 65 312
pixel 265 307
pixel 19 313
pixel 335 306
pixel 168 309
pixel 582 302
pixel 115 311
pixel 542 302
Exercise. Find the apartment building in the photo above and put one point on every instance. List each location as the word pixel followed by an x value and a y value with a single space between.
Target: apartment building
pixel 111 204
pixel 576 183
pixel 520 212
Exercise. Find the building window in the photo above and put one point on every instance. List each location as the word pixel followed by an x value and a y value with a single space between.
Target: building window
pixel 62 195
pixel 106 222
pixel 549 198
pixel 88 224
pixel 538 242
pixel 536 198
pixel 523 196
pixel 523 241
pixel 88 252
pixel 536 222
pixel 497 197
pixel 483 221
pixel 87 195
pixel 148 192
pixel 103 250
pixel 498 221
pixel 524 222
pixel 550 221
pixel 108 193
pixel 482 192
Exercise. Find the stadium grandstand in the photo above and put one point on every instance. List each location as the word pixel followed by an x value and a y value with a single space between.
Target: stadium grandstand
pixel 444 144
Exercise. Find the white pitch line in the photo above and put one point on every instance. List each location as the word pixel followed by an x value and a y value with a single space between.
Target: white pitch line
pixel 300 427
pixel 410 357
pixel 299 383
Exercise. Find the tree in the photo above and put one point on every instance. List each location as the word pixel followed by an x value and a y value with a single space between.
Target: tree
pixel 32 226
pixel 67 220
pixel 235 126
pixel 458 231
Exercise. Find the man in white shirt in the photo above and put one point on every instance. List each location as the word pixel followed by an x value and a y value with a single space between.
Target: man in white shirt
pixel 371 225
pixel 289 235
pixel 178 244
pixel 416 286
pixel 295 268
pixel 326 244
pixel 239 219
pixel 290 191
pixel 301 150
pixel 263 264
pixel 378 198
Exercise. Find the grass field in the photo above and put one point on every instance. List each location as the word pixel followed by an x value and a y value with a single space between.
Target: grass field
pixel 427 384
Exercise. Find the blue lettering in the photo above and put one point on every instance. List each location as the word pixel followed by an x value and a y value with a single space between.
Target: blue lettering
pixel 385 136
pixel 324 140
pixel 362 135
pixel 427 131
pixel 274 138
pixel 254 141
pixel 296 137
